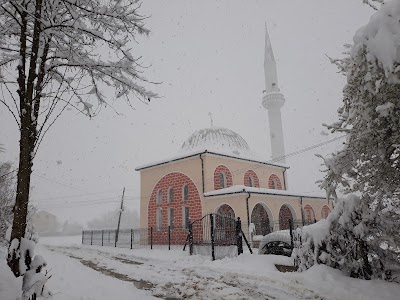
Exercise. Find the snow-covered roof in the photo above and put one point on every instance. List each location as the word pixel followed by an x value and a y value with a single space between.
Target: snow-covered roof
pixel 190 154
pixel 216 139
pixel 238 189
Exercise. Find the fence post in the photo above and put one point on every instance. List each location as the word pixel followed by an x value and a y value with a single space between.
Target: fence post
pixel 291 231
pixel 239 241
pixel 83 232
pixel 109 233
pixel 91 237
pixel 212 236
pixel 102 237
pixel 190 238
pixel 131 237
pixel 169 237
pixel 115 240
pixel 151 237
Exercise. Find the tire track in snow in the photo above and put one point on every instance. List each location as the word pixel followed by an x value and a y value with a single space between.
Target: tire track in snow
pixel 200 283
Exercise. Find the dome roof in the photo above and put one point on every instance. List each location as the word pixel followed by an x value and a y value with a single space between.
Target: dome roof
pixel 217 139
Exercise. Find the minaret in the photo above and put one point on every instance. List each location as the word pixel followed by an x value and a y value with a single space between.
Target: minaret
pixel 273 100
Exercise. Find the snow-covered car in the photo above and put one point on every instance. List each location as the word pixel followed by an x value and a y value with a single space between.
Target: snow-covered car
pixel 278 243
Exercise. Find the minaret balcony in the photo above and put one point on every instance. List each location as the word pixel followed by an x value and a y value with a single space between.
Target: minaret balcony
pixel 273 100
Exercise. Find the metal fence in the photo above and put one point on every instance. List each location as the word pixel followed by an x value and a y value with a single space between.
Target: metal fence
pixel 212 235
pixel 216 236
pixel 151 238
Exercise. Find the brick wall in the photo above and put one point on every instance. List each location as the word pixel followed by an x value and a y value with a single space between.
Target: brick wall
pixel 226 211
pixel 225 170
pixel 251 173
pixel 178 234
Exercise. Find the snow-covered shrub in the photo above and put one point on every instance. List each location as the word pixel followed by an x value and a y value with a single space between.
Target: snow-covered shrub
pixel 350 239
pixel 34 280
pixel 363 236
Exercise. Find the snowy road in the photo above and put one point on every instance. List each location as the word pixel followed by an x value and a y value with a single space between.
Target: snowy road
pixel 169 279
pixel 102 273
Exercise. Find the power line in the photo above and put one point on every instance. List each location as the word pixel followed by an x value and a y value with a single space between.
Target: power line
pixel 259 165
pixel 110 200
pixel 63 184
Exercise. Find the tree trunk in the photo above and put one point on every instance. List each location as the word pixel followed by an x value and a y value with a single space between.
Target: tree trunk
pixel 22 197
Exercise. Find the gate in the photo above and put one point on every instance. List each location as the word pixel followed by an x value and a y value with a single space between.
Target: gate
pixel 217 236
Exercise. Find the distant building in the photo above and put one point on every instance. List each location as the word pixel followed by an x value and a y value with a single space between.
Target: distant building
pixel 45 222
pixel 218 173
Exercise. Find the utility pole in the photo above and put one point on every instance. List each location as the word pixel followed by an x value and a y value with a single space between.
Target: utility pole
pixel 120 213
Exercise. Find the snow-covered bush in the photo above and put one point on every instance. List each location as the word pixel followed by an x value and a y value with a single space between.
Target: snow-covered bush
pixel 362 234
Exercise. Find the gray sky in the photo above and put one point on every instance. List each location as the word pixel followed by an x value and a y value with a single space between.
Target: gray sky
pixel 209 57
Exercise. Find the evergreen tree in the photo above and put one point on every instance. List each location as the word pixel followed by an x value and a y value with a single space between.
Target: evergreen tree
pixel 364 230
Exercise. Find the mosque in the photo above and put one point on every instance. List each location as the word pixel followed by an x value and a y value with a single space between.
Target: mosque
pixel 218 173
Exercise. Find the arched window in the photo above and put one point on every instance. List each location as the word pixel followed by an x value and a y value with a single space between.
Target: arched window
pixel 309 214
pixel 170 195
pixel 159 196
pixel 185 193
pixel 274 182
pixel 251 179
pixel 222 177
pixel 159 218
pixel 325 212
pixel 222 180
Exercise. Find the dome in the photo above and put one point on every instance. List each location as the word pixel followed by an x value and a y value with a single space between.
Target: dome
pixel 216 139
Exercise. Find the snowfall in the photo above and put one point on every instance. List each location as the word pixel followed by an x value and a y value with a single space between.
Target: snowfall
pixel 92 272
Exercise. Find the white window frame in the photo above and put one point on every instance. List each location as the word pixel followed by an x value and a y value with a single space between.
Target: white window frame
pixel 171 217
pixel 251 181
pixel 222 184
pixel 159 218
pixel 159 196
pixel 184 217
pixel 183 192
pixel 169 195
pixel 274 184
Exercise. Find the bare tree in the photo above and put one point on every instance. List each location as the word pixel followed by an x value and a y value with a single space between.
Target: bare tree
pixel 60 53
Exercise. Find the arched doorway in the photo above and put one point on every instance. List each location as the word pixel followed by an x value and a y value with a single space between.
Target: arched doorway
pixel 285 214
pixel 260 219
pixel 225 226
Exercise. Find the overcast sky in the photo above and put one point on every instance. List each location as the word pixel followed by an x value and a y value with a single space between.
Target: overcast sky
pixel 208 56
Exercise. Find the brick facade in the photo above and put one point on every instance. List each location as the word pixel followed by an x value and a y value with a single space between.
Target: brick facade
pixel 222 169
pixel 246 180
pixel 226 211
pixel 284 216
pixel 274 182
pixel 178 233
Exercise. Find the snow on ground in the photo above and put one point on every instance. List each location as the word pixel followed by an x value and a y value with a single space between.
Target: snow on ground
pixel 9 286
pixel 93 272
